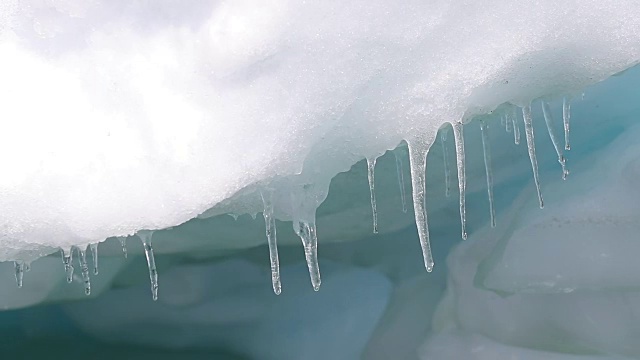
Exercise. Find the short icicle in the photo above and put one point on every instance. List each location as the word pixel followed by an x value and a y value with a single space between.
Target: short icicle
pixel 145 236
pixel 418 151
pixel 566 117
pixel 84 267
pixel 307 233
pixel 19 268
pixel 67 261
pixel 508 123
pixel 445 157
pixel 94 257
pixel 123 243
pixel 371 166
pixel 486 152
pixel 458 133
pixel 400 171
pixel 512 116
pixel 548 119
pixel 531 147
pixel 270 229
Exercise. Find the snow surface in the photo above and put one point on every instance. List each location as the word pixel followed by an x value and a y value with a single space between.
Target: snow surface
pixel 120 116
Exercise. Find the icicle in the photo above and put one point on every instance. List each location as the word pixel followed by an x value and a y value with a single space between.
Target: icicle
pixel 94 256
pixel 307 233
pixel 445 156
pixel 548 119
pixel 145 236
pixel 371 165
pixel 486 151
pixel 400 171
pixel 270 229
pixel 19 267
pixel 513 117
pixel 418 163
pixel 531 147
pixel 507 123
pixel 84 267
pixel 123 243
pixel 566 117
pixel 67 260
pixel 458 134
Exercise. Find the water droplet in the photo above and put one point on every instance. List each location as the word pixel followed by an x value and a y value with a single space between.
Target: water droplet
pixel 458 134
pixel 145 236
pixel 486 151
pixel 531 147
pixel 418 151
pixel 371 165
pixel 270 229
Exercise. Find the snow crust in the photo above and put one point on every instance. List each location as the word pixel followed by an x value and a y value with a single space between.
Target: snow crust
pixel 120 116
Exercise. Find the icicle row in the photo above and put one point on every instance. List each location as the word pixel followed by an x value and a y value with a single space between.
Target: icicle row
pixel 458 133
pixel 486 151
pixel 371 165
pixel 531 147
pixel 270 229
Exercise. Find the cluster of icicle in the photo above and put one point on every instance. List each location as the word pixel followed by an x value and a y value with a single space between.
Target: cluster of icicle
pixel 417 160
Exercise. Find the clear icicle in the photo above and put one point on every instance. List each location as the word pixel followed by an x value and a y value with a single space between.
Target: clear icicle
pixel 67 261
pixel 531 147
pixel 566 117
pixel 270 229
pixel 458 134
pixel 123 243
pixel 307 233
pixel 19 267
pixel 548 119
pixel 418 163
pixel 445 156
pixel 145 236
pixel 84 267
pixel 371 166
pixel 513 117
pixel 400 171
pixel 486 151
pixel 94 257
pixel 508 124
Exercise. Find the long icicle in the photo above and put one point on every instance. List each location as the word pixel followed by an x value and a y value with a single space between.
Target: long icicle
pixel 67 261
pixel 307 233
pixel 458 134
pixel 400 171
pixel 566 117
pixel 371 166
pixel 94 256
pixel 145 236
pixel 418 163
pixel 270 229
pixel 19 269
pixel 486 151
pixel 445 158
pixel 548 119
pixel 84 267
pixel 531 147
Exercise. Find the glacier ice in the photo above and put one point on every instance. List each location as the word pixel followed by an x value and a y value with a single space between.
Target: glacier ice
pixel 130 119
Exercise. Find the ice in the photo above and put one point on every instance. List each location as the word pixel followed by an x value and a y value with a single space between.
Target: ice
pixel 531 147
pixel 371 166
pixel 486 152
